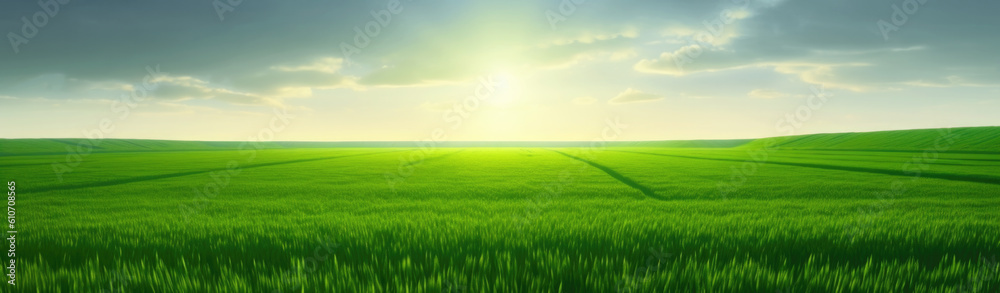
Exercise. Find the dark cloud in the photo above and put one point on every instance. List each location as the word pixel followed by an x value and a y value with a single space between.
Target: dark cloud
pixel 840 43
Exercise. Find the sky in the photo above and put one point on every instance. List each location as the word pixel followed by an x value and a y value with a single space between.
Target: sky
pixel 516 70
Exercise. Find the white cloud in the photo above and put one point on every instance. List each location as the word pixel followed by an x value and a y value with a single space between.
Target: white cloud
pixel 631 95
pixel 327 64
pixel 835 50
pixel 590 37
pixel 187 87
pixel 669 63
pixel 268 86
pixel 771 94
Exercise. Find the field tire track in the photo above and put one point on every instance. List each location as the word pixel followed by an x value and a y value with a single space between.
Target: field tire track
pixel 972 152
pixel 953 177
pixel 884 161
pixel 179 174
pixel 822 153
pixel 611 172
pixel 21 165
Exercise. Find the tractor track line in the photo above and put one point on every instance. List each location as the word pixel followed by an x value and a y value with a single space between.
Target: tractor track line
pixel 857 154
pixel 884 161
pixel 964 178
pixel 179 174
pixel 611 172
pixel 966 152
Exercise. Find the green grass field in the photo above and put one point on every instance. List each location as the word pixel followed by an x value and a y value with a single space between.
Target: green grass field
pixel 906 211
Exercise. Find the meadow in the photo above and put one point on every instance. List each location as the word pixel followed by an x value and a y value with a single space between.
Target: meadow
pixel 883 212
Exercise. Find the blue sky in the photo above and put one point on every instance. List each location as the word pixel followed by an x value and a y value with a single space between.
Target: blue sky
pixel 558 70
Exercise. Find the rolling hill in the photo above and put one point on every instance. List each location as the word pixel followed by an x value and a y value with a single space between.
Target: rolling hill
pixel 966 139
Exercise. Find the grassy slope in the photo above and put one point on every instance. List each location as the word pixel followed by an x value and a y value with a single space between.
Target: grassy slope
pixel 510 220
pixel 501 220
pixel 974 139
pixel 968 139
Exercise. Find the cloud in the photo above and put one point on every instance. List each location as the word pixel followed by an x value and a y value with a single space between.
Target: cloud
pixel 771 94
pixel 590 37
pixel 854 70
pixel 268 86
pixel 669 63
pixel 256 87
pixel 282 81
pixel 430 68
pixel 273 51
pixel 566 55
pixel 265 55
pixel 631 95
pixel 186 88
pixel 841 50
pixel 327 64
pixel 418 73
pixel 462 51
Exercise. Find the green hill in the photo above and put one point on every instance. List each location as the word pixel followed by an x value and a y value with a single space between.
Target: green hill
pixel 965 139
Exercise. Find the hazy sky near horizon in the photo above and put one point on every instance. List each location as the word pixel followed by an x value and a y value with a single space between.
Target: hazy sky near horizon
pixel 494 70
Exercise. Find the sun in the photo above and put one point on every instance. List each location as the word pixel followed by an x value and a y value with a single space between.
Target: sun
pixel 507 92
